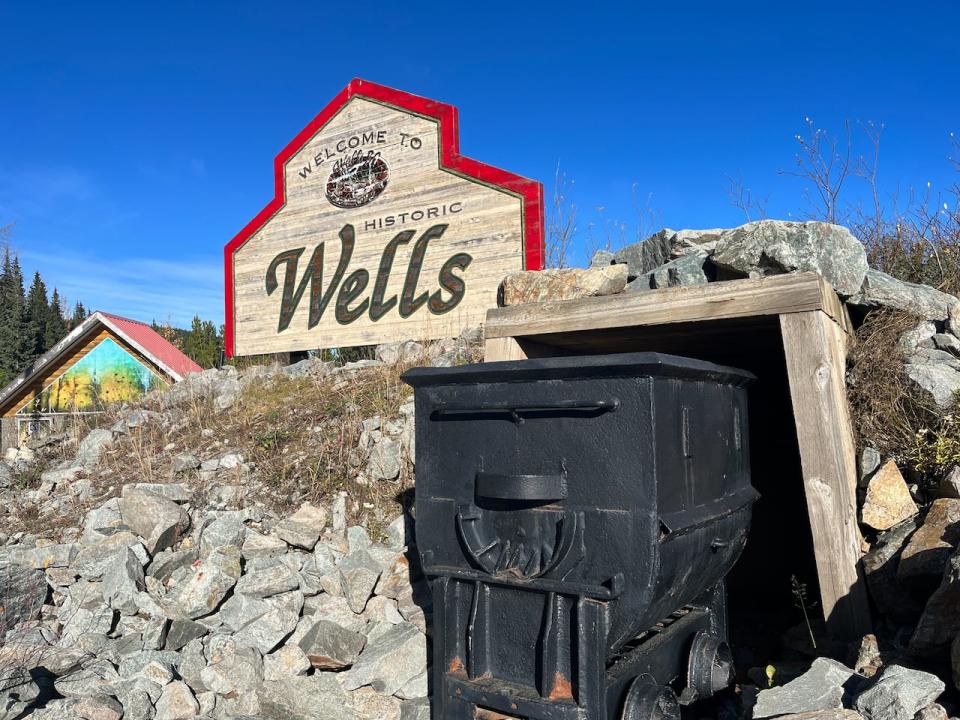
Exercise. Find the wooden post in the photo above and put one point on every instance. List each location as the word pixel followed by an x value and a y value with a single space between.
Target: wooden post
pixel 502 348
pixel 815 350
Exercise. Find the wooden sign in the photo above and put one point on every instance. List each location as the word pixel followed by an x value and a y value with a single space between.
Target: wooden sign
pixel 379 231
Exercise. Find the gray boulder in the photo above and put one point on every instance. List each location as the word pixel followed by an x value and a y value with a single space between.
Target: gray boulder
pixel 359 573
pixel 899 694
pixel 160 522
pixel 176 702
pixel 276 622
pixel 822 687
pixel 330 646
pixel 91 447
pixel 880 290
pixel 662 247
pixel 693 268
pixel 266 577
pixel 773 247
pixel 940 621
pixel 23 591
pixel 211 581
pixel 18 692
pixel 385 459
pixel 940 380
pixel 95 678
pixel 398 656
pixel 314 697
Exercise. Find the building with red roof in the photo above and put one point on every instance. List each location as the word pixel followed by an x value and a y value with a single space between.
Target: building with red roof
pixel 105 360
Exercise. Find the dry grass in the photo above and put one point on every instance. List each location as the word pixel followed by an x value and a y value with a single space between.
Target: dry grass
pixel 299 433
pixel 888 410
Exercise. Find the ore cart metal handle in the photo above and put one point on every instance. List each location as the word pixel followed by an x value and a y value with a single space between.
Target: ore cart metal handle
pixel 516 412
pixel 521 487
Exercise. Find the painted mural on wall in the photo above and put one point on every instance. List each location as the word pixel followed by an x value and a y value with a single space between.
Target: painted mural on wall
pixel 107 374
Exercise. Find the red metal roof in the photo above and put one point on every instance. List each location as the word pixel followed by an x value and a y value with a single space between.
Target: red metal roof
pixel 159 349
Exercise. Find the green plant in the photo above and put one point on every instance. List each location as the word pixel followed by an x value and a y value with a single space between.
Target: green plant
pixel 937 449
pixel 799 591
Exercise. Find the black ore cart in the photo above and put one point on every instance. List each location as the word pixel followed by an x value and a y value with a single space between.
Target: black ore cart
pixel 576 518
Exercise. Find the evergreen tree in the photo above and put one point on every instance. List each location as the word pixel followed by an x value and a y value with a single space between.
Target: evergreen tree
pixel 56 328
pixel 36 315
pixel 79 315
pixel 203 343
pixel 13 336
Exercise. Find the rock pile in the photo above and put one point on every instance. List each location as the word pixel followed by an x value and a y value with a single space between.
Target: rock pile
pixel 160 607
pixel 913 564
pixel 193 597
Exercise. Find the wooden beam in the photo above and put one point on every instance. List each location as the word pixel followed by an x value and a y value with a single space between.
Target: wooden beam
pixel 775 295
pixel 502 348
pixel 815 349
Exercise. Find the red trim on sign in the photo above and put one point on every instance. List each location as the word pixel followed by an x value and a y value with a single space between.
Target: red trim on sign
pixel 450 158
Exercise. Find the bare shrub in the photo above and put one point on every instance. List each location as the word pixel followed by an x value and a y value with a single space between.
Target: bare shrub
pixel 887 409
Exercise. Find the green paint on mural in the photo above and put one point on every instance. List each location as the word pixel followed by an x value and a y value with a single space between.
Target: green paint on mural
pixel 107 374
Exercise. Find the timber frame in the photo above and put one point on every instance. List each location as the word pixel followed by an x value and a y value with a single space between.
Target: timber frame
pixel 803 317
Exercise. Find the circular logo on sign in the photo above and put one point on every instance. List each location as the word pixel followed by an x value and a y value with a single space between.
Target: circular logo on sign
pixel 357 179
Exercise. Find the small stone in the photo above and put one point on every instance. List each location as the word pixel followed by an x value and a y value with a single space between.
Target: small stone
pixel 359 573
pixel 368 704
pixel 177 492
pixel 160 522
pixel 888 500
pixel 92 447
pixel 137 705
pixel 287 661
pixel 99 707
pixel 869 463
pixel 691 269
pixel 182 632
pixel 303 528
pixel 397 352
pixel 333 609
pixel 95 678
pixel 209 584
pixel 926 555
pixel 940 621
pixel 822 687
pixel 257 545
pixel 385 459
pixel 177 702
pixel 330 646
pixel 415 710
pixel 184 462
pixel 312 697
pixel 949 486
pixel 23 592
pixel 869 660
pixel 880 567
pixel 232 669
pixel 932 712
pixel 899 694
pixel 601 258
pixel 565 284
pixel 226 529
pixel 276 619
pixel 398 656
pixel 266 577
pixel 18 691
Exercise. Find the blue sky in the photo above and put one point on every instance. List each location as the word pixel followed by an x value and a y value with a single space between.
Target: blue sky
pixel 137 139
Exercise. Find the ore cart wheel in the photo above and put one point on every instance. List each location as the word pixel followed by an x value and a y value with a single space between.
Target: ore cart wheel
pixel 648 701
pixel 711 666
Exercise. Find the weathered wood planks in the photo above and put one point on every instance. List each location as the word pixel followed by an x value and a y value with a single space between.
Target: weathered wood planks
pixel 802 312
